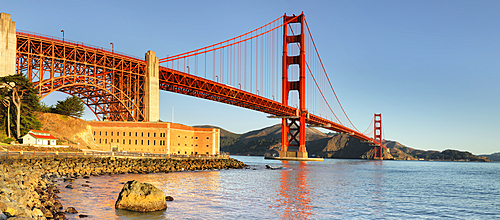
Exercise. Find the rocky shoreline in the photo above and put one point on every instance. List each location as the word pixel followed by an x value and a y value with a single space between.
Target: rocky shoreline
pixel 28 191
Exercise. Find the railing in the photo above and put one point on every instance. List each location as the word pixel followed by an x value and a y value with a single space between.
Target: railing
pixel 112 154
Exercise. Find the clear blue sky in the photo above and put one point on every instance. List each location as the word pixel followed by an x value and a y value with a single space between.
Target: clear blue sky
pixel 432 68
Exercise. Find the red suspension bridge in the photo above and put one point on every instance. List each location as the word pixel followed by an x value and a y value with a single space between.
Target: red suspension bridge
pixel 275 69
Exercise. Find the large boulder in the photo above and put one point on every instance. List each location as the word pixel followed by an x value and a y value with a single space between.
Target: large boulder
pixel 140 197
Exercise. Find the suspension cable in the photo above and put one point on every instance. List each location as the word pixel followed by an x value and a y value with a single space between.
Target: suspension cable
pixel 324 70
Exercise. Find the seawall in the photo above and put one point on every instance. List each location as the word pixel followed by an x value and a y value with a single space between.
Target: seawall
pixel 27 189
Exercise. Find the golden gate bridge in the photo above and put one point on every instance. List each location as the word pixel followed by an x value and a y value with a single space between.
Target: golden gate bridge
pixel 275 69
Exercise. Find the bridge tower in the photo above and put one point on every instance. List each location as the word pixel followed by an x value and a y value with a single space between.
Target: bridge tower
pixel 293 128
pixel 8 45
pixel 378 137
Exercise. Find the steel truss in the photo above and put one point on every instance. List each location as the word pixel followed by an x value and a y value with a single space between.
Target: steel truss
pixel 110 84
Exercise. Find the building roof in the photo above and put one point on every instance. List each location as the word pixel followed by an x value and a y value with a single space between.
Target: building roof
pixel 43 136
pixel 49 136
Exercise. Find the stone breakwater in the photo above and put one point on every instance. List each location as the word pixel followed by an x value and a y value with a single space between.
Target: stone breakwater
pixel 28 191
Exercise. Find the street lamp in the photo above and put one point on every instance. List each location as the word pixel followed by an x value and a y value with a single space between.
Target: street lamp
pixel 112 47
pixel 63 35
pixel 217 78
pixel 187 68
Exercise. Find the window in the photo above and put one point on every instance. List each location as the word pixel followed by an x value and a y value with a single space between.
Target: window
pixel 179 144
pixel 123 141
pixel 207 145
pixel 129 142
pixel 100 141
pixel 124 134
pixel 135 142
pixel 94 133
pixel 196 145
pixel 191 137
pixel 106 133
pixel 196 138
pixel 117 133
pixel 208 138
pixel 148 142
pixel 105 141
pixel 178 136
pixel 148 134
pixel 129 133
pixel 111 133
pixel 154 142
pixel 185 136
pixel 207 153
pixel 154 134
pixel 142 142
pixel 185 145
pixel 142 134
pixel 100 133
pixel 111 140
pixel 136 134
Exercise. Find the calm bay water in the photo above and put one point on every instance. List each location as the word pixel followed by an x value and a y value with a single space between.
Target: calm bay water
pixel 333 189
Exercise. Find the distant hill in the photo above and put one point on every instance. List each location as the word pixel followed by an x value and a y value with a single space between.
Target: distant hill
pixel 492 157
pixel 401 152
pixel 267 141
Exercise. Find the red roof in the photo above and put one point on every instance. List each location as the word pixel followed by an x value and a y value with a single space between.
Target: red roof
pixel 43 136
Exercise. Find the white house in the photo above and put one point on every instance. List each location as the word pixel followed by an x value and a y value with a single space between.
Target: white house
pixel 39 138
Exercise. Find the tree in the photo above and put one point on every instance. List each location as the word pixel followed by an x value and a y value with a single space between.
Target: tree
pixel 71 106
pixel 6 103
pixel 25 100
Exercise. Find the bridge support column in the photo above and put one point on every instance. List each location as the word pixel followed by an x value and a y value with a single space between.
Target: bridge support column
pixel 152 96
pixel 8 45
pixel 378 137
pixel 290 127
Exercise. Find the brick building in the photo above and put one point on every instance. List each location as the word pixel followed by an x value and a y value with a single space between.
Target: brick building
pixel 156 137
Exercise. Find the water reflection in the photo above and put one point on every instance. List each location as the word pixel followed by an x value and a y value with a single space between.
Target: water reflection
pixel 293 196
pixel 377 201
pixel 193 192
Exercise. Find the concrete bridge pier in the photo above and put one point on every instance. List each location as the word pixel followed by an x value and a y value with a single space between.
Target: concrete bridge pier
pixel 152 96
pixel 8 45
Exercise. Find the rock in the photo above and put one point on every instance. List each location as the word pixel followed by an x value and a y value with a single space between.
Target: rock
pixel 69 186
pixel 71 210
pixel 60 215
pixel 69 180
pixel 169 198
pixel 36 213
pixel 140 197
pixel 85 185
pixel 47 213
pixel 2 216
pixel 83 216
